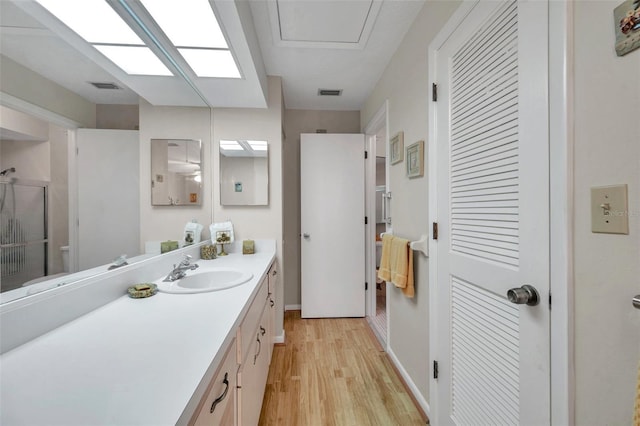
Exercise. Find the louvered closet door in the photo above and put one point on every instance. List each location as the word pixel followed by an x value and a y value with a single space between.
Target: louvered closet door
pixel 493 211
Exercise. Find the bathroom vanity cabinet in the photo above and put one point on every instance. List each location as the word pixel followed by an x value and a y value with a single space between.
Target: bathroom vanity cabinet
pixel 240 381
pixel 195 358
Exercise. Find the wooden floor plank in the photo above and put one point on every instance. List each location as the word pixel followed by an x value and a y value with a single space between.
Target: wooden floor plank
pixel 331 372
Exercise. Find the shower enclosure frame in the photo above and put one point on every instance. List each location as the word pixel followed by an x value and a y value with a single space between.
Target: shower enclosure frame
pixel 45 241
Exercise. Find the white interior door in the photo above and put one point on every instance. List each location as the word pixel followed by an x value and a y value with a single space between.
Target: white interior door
pixel 493 215
pixel 332 225
pixel 108 167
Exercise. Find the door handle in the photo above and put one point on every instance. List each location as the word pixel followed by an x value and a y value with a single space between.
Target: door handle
pixel 525 295
pixel 636 302
pixel 305 235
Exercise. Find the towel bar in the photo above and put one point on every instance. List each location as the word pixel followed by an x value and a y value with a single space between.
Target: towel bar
pixel 422 245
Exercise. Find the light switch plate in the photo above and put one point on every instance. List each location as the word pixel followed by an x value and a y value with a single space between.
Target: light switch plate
pixel 609 209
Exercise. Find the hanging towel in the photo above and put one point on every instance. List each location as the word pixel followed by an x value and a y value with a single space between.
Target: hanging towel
pixel 384 272
pixel 402 266
pixel 636 410
pixel 216 227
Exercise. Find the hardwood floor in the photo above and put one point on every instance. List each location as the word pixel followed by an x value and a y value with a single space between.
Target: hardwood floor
pixel 332 372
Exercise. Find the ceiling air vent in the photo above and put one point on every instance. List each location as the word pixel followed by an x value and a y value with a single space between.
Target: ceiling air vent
pixel 107 86
pixel 329 92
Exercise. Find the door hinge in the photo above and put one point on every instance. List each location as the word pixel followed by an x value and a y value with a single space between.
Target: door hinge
pixel 77 151
pixel 435 369
pixel 434 92
pixel 366 286
pixel 549 300
pixel 435 230
pixel 366 220
pixel 366 155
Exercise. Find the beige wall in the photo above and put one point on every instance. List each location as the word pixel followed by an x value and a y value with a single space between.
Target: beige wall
pixel 42 160
pixel 121 117
pixel 297 122
pixel 255 222
pixel 24 84
pixel 607 267
pixel 404 84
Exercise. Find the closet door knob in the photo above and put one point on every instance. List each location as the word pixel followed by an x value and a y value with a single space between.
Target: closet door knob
pixel 305 235
pixel 525 295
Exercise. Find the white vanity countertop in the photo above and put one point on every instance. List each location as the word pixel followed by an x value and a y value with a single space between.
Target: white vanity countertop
pixel 130 362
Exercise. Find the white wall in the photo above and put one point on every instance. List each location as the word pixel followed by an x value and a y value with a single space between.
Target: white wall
pixel 607 267
pixel 297 122
pixel 404 84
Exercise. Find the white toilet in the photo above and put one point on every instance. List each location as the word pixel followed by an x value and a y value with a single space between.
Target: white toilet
pixel 65 258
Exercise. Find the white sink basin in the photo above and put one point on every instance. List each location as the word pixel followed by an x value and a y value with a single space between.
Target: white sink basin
pixel 204 281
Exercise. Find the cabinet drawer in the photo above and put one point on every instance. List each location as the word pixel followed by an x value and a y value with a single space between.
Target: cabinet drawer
pixel 250 322
pixel 218 407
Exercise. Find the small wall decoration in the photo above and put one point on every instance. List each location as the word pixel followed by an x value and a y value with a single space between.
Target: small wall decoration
pixel 415 160
pixel 238 186
pixel 193 197
pixel 627 22
pixel 396 148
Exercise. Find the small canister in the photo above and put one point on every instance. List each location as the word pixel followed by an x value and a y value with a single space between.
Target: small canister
pixel 208 252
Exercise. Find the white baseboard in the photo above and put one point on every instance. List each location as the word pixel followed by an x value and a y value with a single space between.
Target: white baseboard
pixel 279 339
pixel 292 307
pixel 412 386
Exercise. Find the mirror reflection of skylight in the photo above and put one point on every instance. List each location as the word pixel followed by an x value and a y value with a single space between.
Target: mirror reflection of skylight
pixel 211 63
pixel 187 23
pixel 136 60
pixel 230 146
pixel 93 20
pixel 258 145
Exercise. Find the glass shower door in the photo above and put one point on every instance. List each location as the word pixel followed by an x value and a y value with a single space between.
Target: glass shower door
pixel 23 232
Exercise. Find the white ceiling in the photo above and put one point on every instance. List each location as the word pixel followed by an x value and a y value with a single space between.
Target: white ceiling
pixel 311 44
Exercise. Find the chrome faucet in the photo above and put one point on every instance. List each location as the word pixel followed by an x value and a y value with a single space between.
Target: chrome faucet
pixel 180 271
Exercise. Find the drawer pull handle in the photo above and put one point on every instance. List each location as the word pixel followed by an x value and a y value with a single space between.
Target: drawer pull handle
pixel 219 399
pixel 271 302
pixel 255 357
pixel 262 330
pixel 274 273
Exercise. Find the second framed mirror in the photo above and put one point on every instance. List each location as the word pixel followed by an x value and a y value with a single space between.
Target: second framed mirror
pixel 244 172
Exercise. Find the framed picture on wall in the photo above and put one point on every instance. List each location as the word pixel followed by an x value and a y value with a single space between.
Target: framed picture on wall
pixel 627 22
pixel 415 160
pixel 396 148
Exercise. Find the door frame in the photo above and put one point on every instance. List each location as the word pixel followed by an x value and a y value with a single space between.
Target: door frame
pixel 379 121
pixel 561 190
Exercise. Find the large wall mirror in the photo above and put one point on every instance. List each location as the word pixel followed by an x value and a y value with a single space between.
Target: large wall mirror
pixel 244 173
pixel 176 172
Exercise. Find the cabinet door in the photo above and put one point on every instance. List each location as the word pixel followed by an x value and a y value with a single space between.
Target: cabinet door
pixel 274 276
pixel 219 405
pixel 252 377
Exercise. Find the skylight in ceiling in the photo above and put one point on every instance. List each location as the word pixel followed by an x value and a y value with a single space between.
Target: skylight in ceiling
pixel 192 27
pixel 99 24
pixel 230 146
pixel 211 63
pixel 187 23
pixel 93 20
pixel 135 60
